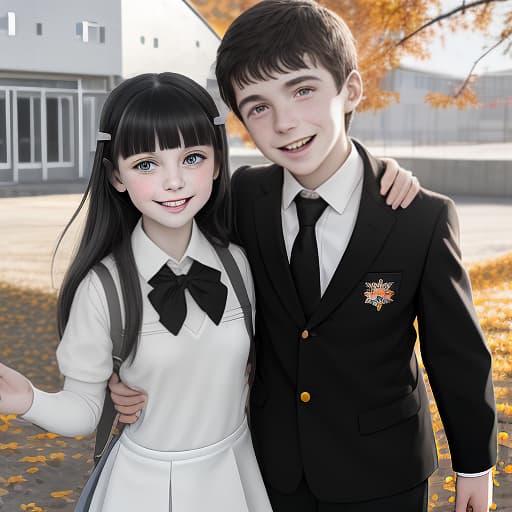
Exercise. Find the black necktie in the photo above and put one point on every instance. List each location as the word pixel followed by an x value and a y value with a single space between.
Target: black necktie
pixel 304 258
pixel 168 294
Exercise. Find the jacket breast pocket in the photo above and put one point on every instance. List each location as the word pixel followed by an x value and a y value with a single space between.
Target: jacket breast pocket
pixel 380 290
pixel 396 412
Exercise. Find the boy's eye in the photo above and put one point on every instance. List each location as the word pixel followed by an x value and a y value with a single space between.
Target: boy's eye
pixel 145 166
pixel 258 109
pixel 304 91
pixel 194 159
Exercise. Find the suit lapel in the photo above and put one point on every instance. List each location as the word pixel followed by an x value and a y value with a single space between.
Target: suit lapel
pixel 373 224
pixel 269 230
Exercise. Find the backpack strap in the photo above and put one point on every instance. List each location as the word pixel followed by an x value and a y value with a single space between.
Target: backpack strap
pixel 240 289
pixel 108 424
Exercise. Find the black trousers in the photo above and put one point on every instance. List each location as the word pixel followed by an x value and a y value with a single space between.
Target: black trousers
pixel 303 500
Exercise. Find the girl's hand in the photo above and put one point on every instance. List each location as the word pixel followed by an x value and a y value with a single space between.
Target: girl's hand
pixel 16 394
pixel 399 185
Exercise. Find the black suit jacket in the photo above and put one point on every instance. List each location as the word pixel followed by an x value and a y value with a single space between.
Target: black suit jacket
pixel 366 432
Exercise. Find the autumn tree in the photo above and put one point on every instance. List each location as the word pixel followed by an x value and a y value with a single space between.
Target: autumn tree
pixel 388 30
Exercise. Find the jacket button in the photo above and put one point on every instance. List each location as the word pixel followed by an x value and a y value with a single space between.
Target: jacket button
pixel 305 397
pixel 305 334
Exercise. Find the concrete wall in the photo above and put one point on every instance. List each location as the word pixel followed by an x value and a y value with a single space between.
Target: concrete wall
pixel 469 177
pixel 185 43
pixel 59 49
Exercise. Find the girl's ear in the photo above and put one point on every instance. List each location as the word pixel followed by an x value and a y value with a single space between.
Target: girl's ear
pixel 216 173
pixel 353 91
pixel 115 177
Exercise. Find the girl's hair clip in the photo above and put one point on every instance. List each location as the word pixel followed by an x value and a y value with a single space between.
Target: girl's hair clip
pixel 219 120
pixel 103 136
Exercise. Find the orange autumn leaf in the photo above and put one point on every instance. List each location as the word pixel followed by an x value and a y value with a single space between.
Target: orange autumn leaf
pixel 3 492
pixel 9 446
pixel 17 479
pixel 37 458
pixel 46 435
pixel 57 456
pixel 60 494
pixel 508 469
pixel 32 470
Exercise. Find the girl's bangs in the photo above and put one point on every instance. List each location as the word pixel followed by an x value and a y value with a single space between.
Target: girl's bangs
pixel 169 117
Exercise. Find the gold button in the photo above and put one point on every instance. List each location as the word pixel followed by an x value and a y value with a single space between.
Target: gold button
pixel 305 396
pixel 305 334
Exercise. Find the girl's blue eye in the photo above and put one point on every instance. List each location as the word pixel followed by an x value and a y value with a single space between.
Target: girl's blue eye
pixel 194 159
pixel 145 166
pixel 258 109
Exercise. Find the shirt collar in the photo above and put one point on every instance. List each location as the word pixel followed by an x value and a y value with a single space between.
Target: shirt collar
pixel 337 190
pixel 149 258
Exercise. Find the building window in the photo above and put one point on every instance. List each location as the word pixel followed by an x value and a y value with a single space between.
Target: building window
pixel 155 42
pixel 39 29
pixel 8 24
pixel 29 128
pixel 142 40
pixel 3 128
pixel 59 125
pixel 90 32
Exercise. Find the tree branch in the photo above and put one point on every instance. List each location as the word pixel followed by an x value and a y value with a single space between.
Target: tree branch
pixel 470 74
pixel 445 15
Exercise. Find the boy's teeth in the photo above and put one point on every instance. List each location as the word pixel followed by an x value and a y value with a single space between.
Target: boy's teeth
pixel 298 144
pixel 174 203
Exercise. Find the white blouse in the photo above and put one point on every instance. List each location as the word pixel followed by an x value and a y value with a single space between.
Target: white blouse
pixel 196 381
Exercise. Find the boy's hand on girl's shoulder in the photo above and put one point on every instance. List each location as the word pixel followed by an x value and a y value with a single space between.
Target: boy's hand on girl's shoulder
pixel 399 185
pixel 127 401
pixel 474 494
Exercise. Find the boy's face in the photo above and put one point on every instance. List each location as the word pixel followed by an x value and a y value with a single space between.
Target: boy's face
pixel 297 120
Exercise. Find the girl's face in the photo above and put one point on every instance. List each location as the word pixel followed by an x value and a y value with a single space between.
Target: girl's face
pixel 168 187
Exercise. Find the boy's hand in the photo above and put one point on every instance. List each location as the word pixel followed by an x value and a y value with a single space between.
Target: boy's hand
pixel 16 394
pixel 127 401
pixel 474 494
pixel 401 185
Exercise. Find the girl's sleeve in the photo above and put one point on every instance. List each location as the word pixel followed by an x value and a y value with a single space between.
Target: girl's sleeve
pixel 84 357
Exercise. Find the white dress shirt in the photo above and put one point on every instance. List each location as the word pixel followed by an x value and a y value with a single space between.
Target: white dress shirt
pixel 342 193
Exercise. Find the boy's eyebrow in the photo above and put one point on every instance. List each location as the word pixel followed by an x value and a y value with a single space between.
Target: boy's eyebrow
pixel 290 83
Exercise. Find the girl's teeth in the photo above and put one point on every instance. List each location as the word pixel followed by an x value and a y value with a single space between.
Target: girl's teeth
pixel 175 203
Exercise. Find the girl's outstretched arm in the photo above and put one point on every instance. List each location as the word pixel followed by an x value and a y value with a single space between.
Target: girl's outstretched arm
pixel 16 393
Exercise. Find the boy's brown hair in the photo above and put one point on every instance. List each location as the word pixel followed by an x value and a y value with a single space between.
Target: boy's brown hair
pixel 275 36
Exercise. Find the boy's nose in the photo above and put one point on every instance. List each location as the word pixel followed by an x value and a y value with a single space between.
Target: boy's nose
pixel 284 120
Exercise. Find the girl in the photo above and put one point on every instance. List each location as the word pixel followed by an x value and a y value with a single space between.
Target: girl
pixel 158 201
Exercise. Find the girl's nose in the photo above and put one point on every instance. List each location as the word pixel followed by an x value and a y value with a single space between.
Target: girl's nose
pixel 174 179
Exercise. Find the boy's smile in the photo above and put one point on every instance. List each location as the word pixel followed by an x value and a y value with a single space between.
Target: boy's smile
pixel 296 120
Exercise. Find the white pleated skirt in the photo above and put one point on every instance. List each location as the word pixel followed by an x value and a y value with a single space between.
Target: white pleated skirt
pixel 222 477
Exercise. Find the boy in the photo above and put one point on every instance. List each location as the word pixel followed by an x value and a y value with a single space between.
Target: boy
pixel 340 415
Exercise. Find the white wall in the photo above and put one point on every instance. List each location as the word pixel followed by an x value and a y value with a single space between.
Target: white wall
pixel 59 49
pixel 185 44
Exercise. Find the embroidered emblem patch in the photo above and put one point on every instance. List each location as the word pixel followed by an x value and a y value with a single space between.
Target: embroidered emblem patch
pixel 379 293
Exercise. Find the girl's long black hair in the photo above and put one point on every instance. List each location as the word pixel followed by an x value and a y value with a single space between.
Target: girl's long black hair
pixel 173 110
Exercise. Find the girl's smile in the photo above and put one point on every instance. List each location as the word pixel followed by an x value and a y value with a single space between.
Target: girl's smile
pixel 169 187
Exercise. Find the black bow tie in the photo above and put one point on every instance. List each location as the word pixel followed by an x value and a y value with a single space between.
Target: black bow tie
pixel 168 294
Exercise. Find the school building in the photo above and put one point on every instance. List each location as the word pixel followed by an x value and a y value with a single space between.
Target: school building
pixel 413 122
pixel 60 58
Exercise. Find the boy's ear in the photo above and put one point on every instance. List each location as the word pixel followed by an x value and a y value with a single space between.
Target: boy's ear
pixel 353 90
pixel 115 177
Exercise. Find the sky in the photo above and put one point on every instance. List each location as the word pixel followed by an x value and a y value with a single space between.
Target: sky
pixel 460 50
